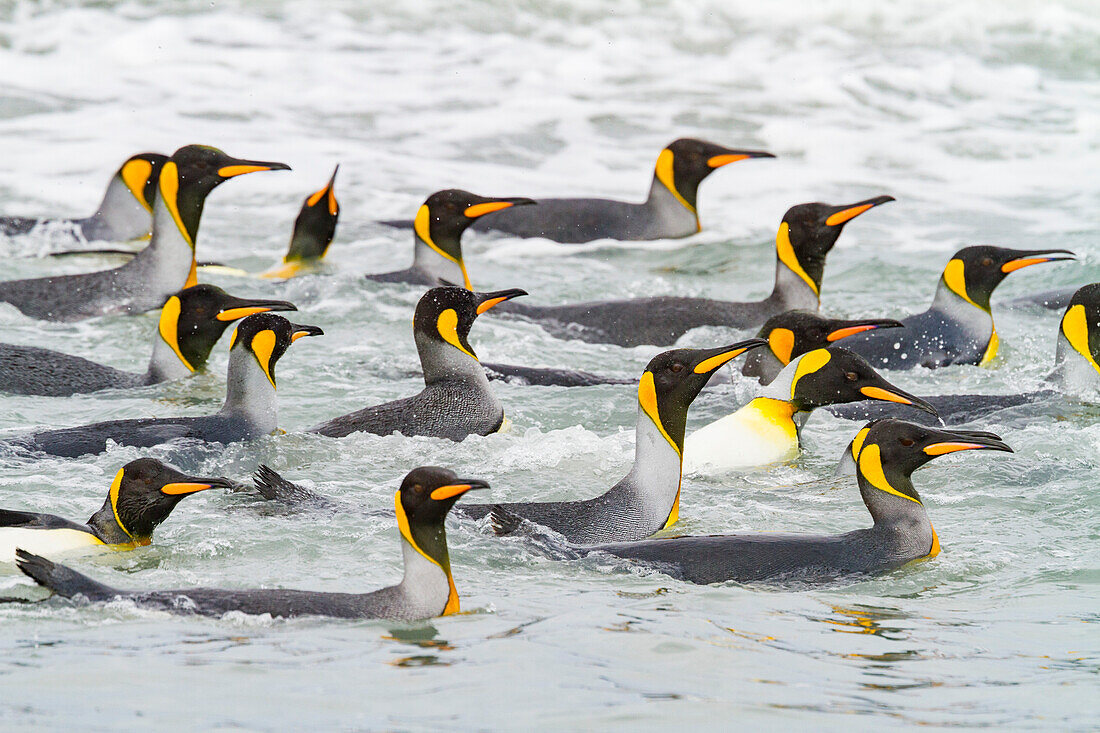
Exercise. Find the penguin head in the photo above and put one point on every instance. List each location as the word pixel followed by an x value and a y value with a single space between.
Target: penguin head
pixel 443 217
pixel 793 333
pixel 192 173
pixel 140 174
pixel 444 315
pixel 267 336
pixel 1077 360
pixel 835 376
pixel 193 320
pixel 809 231
pixel 683 165
pixel 145 492
pixel 975 272
pixel 673 379
pixel 892 449
pixel 316 224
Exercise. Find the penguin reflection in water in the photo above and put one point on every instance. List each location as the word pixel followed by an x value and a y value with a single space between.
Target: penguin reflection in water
pixel 901 532
pixel 249 411
pixel 427 590
pixel 144 492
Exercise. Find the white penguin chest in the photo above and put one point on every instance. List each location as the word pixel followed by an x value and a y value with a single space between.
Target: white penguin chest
pixel 755 435
pixel 45 542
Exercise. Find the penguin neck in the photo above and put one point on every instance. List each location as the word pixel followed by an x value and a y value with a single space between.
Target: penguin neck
pixel 107 527
pixel 167 264
pixel 973 320
pixel 902 521
pixel 677 217
pixel 657 471
pixel 792 292
pixel 249 394
pixel 775 402
pixel 427 584
pixel 442 362
pixel 164 364
pixel 120 214
pixel 1073 372
pixel 436 266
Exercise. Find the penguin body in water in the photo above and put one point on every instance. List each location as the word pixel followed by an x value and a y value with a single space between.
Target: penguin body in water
pixel 165 266
pixel 126 212
pixel 768 429
pixel 249 411
pixel 456 400
pixel 958 327
pixel 427 589
pixel 668 212
pixel 1076 371
pixel 191 322
pixel 144 492
pixel 314 230
pixel 647 499
pixel 901 533
pixel 437 233
pixel 806 235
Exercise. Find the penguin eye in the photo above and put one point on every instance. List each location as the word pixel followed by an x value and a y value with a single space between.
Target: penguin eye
pixel 851 376
pixel 987 262
pixel 676 367
pixel 418 488
pixel 906 441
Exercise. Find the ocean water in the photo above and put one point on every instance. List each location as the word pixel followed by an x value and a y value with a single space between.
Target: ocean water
pixel 981 117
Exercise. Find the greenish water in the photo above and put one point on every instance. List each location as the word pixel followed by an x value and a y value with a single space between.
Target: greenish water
pixel 982 118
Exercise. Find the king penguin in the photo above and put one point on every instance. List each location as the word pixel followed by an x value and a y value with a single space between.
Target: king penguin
pixel 768 429
pixel 191 322
pixel 437 231
pixel 647 499
pixel 144 492
pixel 806 235
pixel 249 411
pixel 427 590
pixel 668 212
pixel 456 400
pixel 901 533
pixel 126 212
pixel 958 327
pixel 314 230
pixel 162 268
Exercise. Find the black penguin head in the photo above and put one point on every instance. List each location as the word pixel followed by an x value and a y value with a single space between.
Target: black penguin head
pixel 316 224
pixel 146 491
pixel 793 333
pixel 443 217
pixel 835 376
pixel 809 231
pixel 892 449
pixel 267 337
pixel 975 272
pixel 1081 324
pixel 192 173
pixel 140 174
pixel 446 314
pixel 193 320
pixel 673 379
pixel 683 165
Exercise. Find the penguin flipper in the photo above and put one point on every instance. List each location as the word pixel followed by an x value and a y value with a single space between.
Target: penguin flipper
pixel 274 487
pixel 63 581
pixel 547 541
pixel 30 520
pixel 544 377
pixel 396 223
pixel 503 521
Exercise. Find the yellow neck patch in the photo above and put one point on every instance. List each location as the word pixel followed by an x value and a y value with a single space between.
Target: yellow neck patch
pixel 870 465
pixel 403 527
pixel 115 486
pixel 954 276
pixel 785 251
pixel 168 328
pixel 169 193
pixel 857 442
pixel 781 342
pixel 263 346
pixel 447 325
pixel 1075 327
pixel 647 399
pixel 667 177
pixel 422 224
pixel 991 348
pixel 808 364
pixel 674 515
pixel 135 174
pixel 778 412
pixel 935 545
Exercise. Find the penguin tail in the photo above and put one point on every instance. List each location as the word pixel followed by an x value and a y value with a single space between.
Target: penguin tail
pixel 274 487
pixel 547 541
pixel 503 521
pixel 397 223
pixel 61 580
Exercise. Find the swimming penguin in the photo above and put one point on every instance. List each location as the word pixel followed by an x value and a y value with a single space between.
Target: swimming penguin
pixel 142 495
pixel 793 333
pixel 806 235
pixel 456 400
pixel 249 411
pixel 427 590
pixel 162 268
pixel 1053 300
pixel 191 322
pixel 901 533
pixel 314 230
pixel 768 429
pixel 1076 371
pixel 669 211
pixel 958 327
pixel 438 227
pixel 125 213
pixel 648 498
